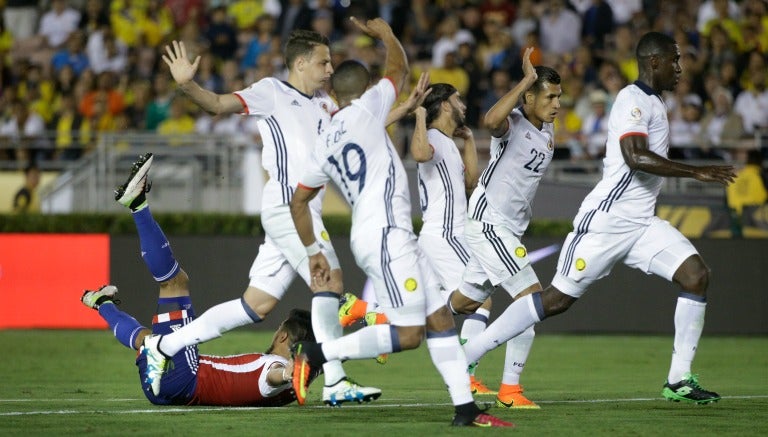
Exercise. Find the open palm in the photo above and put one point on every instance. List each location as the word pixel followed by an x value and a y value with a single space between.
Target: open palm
pixel 181 69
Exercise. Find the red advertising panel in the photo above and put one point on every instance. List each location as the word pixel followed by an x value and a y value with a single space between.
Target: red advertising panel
pixel 43 275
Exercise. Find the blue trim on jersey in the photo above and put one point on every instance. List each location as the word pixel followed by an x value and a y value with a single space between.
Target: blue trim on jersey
pixel 485 178
pixel 480 207
pixel 389 278
pixel 458 248
pixel 389 190
pixel 506 258
pixel 616 191
pixel 423 195
pixel 442 170
pixel 326 294
pixel 281 156
pixel 442 334
pixel 693 297
pixel 580 230
pixel 645 88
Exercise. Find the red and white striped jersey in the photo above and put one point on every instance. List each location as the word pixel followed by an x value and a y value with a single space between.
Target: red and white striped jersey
pixel 239 380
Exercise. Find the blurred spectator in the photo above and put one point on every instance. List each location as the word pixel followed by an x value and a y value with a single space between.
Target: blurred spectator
pixel 187 11
pixel 58 22
pixel 502 11
pixel 755 25
pixel 295 14
pixel 468 62
pixel 525 22
pixel 749 188
pixel 726 21
pixel 94 17
pixel 72 55
pixel 136 104
pixel 162 94
pixel 450 73
pixel 322 23
pixel 179 121
pixel 708 12
pixel 105 52
pixel 594 128
pixel 559 29
pixel 20 18
pixel 23 133
pixel 67 124
pixel 624 11
pixel 26 200
pixel 568 131
pixel 246 13
pixel 105 91
pixel 685 131
pixel 597 24
pixel 259 43
pixel 500 84
pixel 621 51
pixel 722 126
pixel 156 23
pixel 752 103
pixel 221 35
pixel 450 35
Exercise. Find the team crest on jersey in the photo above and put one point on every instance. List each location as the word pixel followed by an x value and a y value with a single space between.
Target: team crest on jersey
pixel 324 235
pixel 550 145
pixel 411 284
pixel 520 252
pixel 581 264
pixel 636 113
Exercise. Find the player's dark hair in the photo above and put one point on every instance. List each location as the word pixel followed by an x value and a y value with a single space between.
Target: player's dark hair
pixel 545 75
pixel 302 42
pixel 349 80
pixel 654 43
pixel 440 93
pixel 298 326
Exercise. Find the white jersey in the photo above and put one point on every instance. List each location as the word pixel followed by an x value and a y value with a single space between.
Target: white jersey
pixel 357 154
pixel 505 192
pixel 289 123
pixel 442 189
pixel 623 192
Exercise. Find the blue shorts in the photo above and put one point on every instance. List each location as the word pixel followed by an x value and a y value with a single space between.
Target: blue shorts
pixel 180 380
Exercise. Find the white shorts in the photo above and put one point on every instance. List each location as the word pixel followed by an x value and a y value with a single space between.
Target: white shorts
pixel 283 255
pixel 499 258
pixel 447 256
pixel 406 288
pixel 600 240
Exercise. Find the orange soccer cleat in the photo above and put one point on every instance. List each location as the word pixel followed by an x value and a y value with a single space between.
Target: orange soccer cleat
pixel 511 396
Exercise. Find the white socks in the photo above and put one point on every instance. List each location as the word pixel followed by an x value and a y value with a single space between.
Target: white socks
pixel 474 324
pixel 515 319
pixel 516 356
pixel 211 324
pixel 325 324
pixel 368 342
pixel 689 322
pixel 449 359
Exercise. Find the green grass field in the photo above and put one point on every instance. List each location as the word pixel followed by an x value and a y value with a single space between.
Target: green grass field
pixel 85 383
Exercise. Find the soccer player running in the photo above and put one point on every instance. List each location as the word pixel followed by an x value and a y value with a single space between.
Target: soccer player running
pixel 616 223
pixel 290 115
pixel 356 153
pixel 251 379
pixel 499 210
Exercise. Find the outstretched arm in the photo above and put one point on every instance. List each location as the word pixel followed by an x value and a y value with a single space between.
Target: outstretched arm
pixel 302 219
pixel 471 170
pixel 396 63
pixel 638 156
pixel 183 73
pixel 414 100
pixel 496 117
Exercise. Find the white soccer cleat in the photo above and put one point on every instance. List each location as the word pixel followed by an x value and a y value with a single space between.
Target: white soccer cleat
pixel 136 185
pixel 157 362
pixel 347 390
pixel 94 299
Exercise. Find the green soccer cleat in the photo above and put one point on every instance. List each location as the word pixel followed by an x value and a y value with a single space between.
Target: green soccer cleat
pixel 347 317
pixel 131 193
pixel 689 390
pixel 94 299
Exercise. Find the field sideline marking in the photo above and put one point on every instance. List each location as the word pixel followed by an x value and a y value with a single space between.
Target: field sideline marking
pixel 372 405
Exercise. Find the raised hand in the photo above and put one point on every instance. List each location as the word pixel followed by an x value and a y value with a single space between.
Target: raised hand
pixel 376 28
pixel 528 69
pixel 722 174
pixel 181 69
pixel 418 93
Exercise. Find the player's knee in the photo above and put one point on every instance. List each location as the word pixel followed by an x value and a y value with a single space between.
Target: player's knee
pixel 555 301
pixel 177 284
pixel 410 337
pixel 460 304
pixel 696 279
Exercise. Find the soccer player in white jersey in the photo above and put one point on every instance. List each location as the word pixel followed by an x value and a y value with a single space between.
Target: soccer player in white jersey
pixel 356 153
pixel 616 223
pixel 499 210
pixel 250 379
pixel 291 115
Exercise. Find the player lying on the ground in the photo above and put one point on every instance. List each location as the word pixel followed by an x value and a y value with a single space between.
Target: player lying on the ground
pixel 252 379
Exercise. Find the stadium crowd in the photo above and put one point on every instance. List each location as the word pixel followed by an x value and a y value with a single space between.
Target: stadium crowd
pixel 74 69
